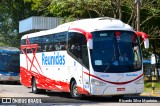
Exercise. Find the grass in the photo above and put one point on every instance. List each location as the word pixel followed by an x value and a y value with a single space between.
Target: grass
pixel 148 86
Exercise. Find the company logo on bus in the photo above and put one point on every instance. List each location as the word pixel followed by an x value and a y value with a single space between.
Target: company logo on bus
pixel 55 59
pixel 131 75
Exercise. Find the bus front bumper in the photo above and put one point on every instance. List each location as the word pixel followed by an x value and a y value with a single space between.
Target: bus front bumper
pixel 9 78
pixel 117 90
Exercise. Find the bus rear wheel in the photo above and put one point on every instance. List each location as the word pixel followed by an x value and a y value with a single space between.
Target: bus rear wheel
pixel 35 90
pixel 74 90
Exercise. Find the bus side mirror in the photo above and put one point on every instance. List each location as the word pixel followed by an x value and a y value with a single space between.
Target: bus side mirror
pixel 90 43
pixel 144 37
pixel 146 43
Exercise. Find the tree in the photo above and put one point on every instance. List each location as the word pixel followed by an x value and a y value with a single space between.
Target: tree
pixel 11 12
pixel 125 10
pixel 72 9
pixel 150 23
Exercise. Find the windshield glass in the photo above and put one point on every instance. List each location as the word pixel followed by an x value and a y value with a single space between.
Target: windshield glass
pixel 115 52
pixel 9 62
pixel 3 61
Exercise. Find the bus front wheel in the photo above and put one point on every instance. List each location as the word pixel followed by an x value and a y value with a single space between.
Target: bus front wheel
pixel 74 90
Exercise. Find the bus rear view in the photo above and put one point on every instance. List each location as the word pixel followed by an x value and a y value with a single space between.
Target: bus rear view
pixel 9 64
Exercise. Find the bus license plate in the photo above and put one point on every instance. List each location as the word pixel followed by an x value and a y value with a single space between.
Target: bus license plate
pixel 10 78
pixel 120 89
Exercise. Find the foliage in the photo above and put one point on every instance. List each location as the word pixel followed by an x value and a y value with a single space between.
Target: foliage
pixel 11 12
pixel 71 9
pixel 150 17
pixel 121 9
pixel 148 86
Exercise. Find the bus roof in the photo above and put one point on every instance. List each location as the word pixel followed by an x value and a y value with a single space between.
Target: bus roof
pixel 9 49
pixel 89 25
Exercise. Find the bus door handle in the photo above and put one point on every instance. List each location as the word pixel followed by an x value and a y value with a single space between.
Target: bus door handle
pixel 87 83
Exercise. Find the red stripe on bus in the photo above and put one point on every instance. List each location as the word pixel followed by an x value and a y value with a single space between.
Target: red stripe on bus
pixel 116 83
pixel 46 83
pixel 88 35
pixel 142 34
pixel 33 48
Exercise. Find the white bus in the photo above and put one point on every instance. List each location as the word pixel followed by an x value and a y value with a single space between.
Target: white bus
pixel 99 56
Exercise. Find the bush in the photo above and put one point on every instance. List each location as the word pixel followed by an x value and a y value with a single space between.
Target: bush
pixel 148 85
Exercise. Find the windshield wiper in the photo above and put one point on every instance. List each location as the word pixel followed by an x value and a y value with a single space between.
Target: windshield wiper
pixel 112 61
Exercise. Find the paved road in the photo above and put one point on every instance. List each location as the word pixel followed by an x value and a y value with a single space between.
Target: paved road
pixel 21 94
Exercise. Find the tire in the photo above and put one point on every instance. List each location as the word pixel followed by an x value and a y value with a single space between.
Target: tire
pixel 35 90
pixel 74 90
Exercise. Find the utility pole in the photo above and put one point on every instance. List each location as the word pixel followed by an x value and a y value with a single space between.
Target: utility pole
pixel 138 5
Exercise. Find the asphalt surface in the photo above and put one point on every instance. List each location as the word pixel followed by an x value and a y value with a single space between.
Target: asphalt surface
pixel 18 94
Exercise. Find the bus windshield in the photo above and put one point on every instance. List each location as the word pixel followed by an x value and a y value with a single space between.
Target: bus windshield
pixel 9 62
pixel 115 52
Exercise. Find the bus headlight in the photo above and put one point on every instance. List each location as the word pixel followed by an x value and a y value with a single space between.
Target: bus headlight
pixel 97 82
pixel 140 81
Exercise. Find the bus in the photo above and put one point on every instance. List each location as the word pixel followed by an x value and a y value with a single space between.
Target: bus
pixel 9 64
pixel 96 56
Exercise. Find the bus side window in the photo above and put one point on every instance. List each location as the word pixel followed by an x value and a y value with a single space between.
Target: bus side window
pixel 39 48
pixel 60 41
pixel 137 58
pixel 35 40
pixel 85 60
pixel 51 47
pixel 23 42
pixel 77 45
pixel 46 48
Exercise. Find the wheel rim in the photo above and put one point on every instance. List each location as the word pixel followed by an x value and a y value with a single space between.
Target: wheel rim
pixel 34 86
pixel 75 90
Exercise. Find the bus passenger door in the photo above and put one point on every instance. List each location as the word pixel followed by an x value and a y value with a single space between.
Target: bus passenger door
pixel 85 68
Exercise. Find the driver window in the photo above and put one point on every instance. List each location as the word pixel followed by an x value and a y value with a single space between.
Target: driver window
pixel 137 58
